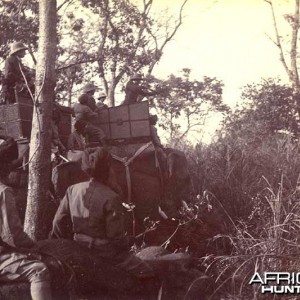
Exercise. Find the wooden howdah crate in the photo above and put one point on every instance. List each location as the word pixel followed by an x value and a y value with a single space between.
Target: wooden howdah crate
pixel 126 123
pixel 16 119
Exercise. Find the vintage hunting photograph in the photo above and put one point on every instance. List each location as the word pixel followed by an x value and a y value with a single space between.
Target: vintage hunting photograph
pixel 149 150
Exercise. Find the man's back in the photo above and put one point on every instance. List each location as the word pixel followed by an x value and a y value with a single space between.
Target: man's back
pixel 83 112
pixel 95 210
pixel 12 72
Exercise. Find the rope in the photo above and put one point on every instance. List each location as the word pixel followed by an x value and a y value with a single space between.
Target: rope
pixel 126 162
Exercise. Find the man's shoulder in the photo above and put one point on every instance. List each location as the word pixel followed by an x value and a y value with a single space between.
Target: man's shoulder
pixel 105 190
pixel 4 187
pixel 5 190
pixel 79 185
pixel 79 106
pixel 11 59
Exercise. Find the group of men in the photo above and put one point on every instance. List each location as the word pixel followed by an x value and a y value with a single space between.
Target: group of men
pixel 91 213
pixel 86 128
pixel 87 114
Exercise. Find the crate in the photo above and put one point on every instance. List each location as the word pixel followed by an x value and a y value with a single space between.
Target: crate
pixel 126 122
pixel 16 119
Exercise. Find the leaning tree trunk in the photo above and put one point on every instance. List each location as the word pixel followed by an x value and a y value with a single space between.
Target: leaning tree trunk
pixel 40 143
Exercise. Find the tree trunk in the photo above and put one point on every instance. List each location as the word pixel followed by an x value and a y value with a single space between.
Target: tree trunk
pixel 111 94
pixel 41 135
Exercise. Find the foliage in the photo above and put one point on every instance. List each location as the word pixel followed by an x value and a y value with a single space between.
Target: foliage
pixel 268 241
pixel 186 101
pixel 254 183
pixel 110 40
pixel 268 107
pixel 18 22
pixel 130 38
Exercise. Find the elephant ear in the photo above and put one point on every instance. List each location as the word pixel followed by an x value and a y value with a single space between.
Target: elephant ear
pixel 177 164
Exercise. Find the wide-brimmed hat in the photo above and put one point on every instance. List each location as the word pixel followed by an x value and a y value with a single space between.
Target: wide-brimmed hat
pixel 89 87
pixel 83 99
pixel 136 77
pixel 16 47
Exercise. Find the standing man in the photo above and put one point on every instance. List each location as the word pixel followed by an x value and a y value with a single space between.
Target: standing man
pixel 13 71
pixel 134 89
pixel 16 262
pixel 92 214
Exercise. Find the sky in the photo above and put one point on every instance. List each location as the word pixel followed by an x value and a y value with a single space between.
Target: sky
pixel 227 39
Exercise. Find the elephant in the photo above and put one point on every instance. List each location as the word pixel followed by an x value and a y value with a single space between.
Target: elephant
pixel 152 180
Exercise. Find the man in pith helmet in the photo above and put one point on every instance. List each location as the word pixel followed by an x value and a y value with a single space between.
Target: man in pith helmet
pixel 14 72
pixel 86 110
pixel 135 91
pixel 100 104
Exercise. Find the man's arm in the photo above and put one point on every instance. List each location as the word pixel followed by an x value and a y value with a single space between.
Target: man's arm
pixel 12 231
pixel 114 219
pixel 62 223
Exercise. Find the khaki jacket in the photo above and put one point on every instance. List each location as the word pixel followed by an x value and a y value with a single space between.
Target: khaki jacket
pixel 89 208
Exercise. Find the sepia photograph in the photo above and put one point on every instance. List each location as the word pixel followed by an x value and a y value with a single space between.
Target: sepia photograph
pixel 149 150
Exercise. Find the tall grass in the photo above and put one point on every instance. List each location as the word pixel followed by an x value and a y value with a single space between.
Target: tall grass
pixel 255 183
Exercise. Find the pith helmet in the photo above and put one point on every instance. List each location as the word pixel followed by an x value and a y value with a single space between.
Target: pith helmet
pixel 102 95
pixel 136 77
pixel 89 87
pixel 17 46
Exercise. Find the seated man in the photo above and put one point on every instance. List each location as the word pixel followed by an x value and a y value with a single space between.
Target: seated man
pixel 93 213
pixel 100 104
pixel 16 262
pixel 82 110
pixel 14 72
pixel 135 91
pixel 93 135
pixel 88 120
pixel 89 90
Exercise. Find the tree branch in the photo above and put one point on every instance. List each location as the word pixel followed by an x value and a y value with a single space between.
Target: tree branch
pixel 278 42
pixel 169 37
pixel 295 29
pixel 65 2
pixel 77 63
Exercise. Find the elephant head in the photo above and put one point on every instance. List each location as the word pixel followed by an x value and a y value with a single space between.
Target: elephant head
pixel 178 185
